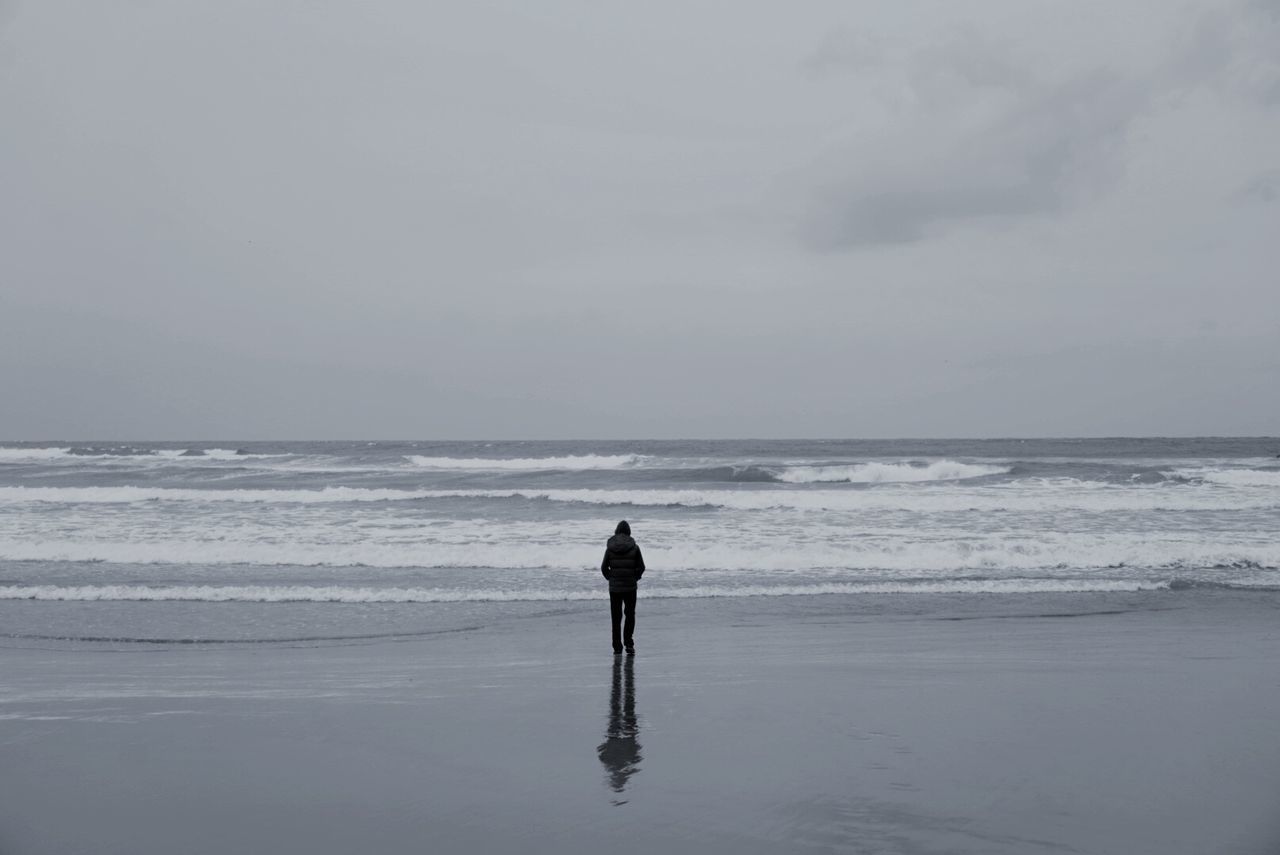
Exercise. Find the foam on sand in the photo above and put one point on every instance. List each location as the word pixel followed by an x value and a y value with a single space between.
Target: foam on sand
pixel 343 594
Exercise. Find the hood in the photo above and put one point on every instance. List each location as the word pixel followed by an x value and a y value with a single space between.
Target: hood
pixel 621 543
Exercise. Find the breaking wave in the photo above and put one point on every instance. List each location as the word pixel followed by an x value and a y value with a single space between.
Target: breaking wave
pixel 233 454
pixel 20 454
pixel 1030 496
pixel 128 494
pixel 498 464
pixel 25 454
pixel 1231 477
pixel 884 473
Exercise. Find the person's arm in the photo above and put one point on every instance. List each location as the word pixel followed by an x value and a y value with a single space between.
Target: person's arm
pixel 639 562
pixel 604 565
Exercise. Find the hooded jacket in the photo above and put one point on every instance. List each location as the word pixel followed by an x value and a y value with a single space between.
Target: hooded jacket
pixel 623 565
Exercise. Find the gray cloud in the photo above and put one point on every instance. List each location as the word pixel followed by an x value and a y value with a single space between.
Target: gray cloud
pixel 1056 143
pixel 1261 188
pixel 845 49
pixel 969 58
pixel 1035 147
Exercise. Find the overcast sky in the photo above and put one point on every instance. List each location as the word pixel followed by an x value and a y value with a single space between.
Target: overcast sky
pixel 663 219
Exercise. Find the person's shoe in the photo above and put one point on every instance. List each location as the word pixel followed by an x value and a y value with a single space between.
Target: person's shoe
pixel 631 650
pixel 617 651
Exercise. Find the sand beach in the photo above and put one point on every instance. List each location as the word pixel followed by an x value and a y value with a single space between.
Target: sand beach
pixel 1090 723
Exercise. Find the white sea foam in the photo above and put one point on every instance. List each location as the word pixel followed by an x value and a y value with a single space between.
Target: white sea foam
pixel 344 594
pixel 1040 495
pixel 885 473
pixel 233 454
pixel 129 494
pixel 15 454
pixel 1029 497
pixel 22 454
pixel 1232 477
pixel 572 462
pixel 885 555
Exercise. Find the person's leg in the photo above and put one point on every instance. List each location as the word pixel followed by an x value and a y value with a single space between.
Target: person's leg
pixel 615 619
pixel 628 630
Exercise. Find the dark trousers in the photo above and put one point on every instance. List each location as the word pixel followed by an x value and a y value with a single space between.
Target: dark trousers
pixel 622 631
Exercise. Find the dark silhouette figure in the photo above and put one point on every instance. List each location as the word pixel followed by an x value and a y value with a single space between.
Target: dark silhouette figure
pixel 623 565
pixel 620 752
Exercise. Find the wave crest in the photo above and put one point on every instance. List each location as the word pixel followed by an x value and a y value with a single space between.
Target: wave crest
pixel 884 473
pixel 1027 497
pixel 23 454
pixel 129 494
pixel 1231 477
pixel 528 464
pixel 30 454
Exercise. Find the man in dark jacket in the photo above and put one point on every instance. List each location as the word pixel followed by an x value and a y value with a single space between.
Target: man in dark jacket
pixel 623 565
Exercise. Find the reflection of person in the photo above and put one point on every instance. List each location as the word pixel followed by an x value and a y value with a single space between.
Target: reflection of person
pixel 623 565
pixel 620 752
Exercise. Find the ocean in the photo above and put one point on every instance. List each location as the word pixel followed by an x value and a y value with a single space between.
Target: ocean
pixel 316 525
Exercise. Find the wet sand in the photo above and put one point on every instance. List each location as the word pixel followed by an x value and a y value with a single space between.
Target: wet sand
pixel 1093 724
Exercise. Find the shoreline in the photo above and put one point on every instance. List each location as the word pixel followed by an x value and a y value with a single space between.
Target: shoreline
pixel 197 622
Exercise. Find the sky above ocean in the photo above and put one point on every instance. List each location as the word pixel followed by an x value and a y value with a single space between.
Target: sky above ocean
pixel 562 219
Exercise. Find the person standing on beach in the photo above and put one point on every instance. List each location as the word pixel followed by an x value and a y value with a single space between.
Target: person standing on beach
pixel 623 565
